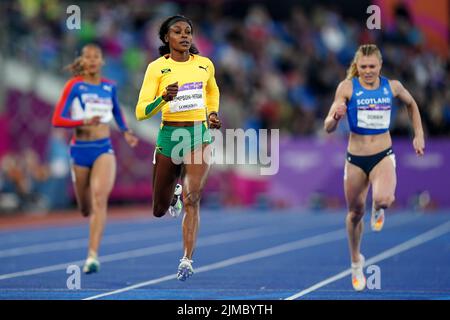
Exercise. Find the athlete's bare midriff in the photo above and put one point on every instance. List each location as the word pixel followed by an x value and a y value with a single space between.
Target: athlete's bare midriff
pixel 89 133
pixel 363 145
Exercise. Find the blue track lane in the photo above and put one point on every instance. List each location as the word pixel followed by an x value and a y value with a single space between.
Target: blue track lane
pixel 264 255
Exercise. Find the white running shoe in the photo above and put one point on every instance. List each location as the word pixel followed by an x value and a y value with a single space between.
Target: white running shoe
pixel 176 206
pixel 377 220
pixel 185 269
pixel 91 265
pixel 358 278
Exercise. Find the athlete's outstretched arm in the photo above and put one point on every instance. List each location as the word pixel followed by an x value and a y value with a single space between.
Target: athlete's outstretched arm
pixel 338 108
pixel 400 92
pixel 148 104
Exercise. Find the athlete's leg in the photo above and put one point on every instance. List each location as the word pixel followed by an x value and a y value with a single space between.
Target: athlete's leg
pixel 102 181
pixel 384 181
pixel 194 179
pixel 356 186
pixel 165 175
pixel 80 179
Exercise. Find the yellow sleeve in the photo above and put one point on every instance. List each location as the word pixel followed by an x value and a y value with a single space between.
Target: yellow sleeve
pixel 212 92
pixel 148 104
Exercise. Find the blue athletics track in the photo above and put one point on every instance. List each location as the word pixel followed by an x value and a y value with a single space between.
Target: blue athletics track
pixel 240 255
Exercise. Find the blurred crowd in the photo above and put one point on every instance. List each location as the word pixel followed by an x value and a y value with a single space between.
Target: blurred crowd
pixel 21 177
pixel 272 73
pixel 31 184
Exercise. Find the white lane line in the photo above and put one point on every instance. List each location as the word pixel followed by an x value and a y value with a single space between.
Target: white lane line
pixel 107 240
pixel 167 247
pixel 286 247
pixel 407 245
pixel 220 238
pixel 290 246
pixel 24 235
pixel 59 245
pixel 82 242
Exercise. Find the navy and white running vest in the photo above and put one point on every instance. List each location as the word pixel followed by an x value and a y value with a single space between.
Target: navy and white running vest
pixel 369 111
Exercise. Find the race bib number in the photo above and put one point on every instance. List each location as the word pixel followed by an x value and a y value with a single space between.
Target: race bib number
pixel 189 97
pixel 103 110
pixel 374 117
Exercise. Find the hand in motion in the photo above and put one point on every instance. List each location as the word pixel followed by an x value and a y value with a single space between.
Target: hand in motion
pixel 170 92
pixel 130 138
pixel 341 110
pixel 419 145
pixel 214 122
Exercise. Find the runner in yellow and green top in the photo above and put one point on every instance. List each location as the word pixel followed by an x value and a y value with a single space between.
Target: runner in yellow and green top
pixel 182 86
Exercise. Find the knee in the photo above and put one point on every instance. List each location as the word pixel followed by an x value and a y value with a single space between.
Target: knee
pixel 99 200
pixel 384 201
pixel 356 214
pixel 192 199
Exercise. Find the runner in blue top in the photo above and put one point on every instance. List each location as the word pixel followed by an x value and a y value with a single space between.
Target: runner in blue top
pixel 366 98
pixel 88 103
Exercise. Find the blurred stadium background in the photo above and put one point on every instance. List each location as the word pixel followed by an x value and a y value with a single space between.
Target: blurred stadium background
pixel 277 66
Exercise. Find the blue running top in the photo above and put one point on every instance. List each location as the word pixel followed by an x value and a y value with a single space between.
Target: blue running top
pixel 369 111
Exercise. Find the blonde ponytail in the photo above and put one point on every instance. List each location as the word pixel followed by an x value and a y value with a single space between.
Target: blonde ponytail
pixel 352 71
pixel 363 50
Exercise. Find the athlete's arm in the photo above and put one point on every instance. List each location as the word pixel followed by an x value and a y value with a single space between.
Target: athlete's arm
pixel 129 136
pixel 61 115
pixel 400 92
pixel 118 115
pixel 338 108
pixel 212 99
pixel 212 92
pixel 148 104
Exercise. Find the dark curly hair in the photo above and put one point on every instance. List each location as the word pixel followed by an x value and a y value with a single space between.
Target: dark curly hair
pixel 164 29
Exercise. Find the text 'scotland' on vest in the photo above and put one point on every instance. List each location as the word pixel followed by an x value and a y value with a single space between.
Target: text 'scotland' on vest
pixel 374 113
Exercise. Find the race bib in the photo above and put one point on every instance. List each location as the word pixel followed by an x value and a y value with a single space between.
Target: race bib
pixel 374 117
pixel 104 110
pixel 189 97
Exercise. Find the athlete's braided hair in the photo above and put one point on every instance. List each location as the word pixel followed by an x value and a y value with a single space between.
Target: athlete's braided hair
pixel 164 29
